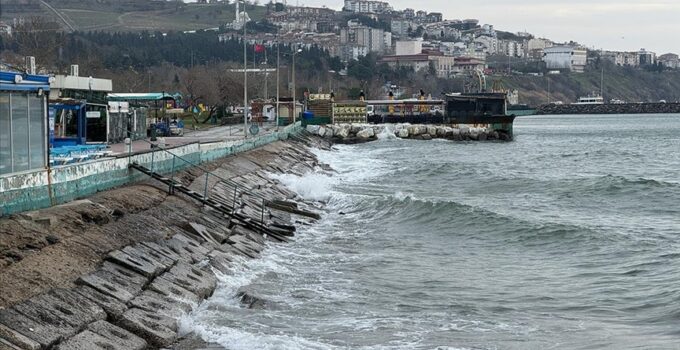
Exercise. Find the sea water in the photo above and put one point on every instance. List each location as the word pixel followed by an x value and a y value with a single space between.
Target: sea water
pixel 566 238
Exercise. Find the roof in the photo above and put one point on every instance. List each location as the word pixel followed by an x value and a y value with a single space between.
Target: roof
pixel 147 96
pixel 15 81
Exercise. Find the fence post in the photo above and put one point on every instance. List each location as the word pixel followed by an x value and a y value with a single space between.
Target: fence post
pixel 171 190
pixel 205 190
pixel 153 156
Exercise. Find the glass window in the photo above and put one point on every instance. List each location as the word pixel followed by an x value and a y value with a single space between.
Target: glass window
pixel 20 131
pixel 37 135
pixel 5 135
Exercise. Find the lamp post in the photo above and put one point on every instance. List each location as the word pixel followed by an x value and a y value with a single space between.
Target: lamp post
pixel 245 79
pixel 294 100
pixel 278 46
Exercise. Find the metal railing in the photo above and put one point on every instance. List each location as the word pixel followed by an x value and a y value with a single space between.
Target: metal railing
pixel 171 187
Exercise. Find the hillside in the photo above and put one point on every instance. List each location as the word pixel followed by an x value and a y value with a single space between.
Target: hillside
pixel 126 15
pixel 627 84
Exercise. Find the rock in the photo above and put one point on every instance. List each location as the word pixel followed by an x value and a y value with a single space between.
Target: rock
pixel 482 136
pixel 432 131
pixel 158 330
pixel 366 133
pixel 313 129
pixel 18 339
pixel 251 301
pixel 52 239
pixel 426 137
pixel 342 133
pixel 403 133
pixel 441 131
pixel 321 132
pixel 354 129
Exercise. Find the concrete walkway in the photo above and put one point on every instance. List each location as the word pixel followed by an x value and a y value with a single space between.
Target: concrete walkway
pixel 216 134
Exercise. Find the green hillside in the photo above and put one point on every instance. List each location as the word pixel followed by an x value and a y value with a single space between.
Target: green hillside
pixel 127 15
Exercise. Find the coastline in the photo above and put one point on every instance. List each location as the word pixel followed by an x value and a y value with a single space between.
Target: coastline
pixel 120 268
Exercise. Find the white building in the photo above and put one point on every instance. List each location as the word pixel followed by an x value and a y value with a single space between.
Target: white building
pixel 374 39
pixel 400 27
pixel 409 47
pixel 367 6
pixel 565 58
pixel 646 57
pixel 488 44
pixel 670 60
pixel 627 59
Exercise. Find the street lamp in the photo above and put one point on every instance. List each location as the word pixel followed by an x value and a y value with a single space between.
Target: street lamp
pixel 278 46
pixel 294 100
pixel 245 77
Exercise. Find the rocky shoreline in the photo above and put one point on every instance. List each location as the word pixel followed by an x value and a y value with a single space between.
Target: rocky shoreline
pixel 623 108
pixel 117 271
pixel 359 133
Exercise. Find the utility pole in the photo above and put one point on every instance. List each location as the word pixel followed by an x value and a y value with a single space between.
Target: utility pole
pixel 266 74
pixel 278 54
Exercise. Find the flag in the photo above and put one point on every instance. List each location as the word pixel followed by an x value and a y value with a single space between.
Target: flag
pixel 259 48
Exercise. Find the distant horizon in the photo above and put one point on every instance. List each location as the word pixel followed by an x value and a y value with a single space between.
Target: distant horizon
pixel 616 25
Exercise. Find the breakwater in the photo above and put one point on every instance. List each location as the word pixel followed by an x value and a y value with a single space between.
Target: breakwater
pixel 117 271
pixel 359 133
pixel 623 108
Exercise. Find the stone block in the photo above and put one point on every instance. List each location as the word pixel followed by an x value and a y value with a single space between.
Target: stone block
pixel 193 279
pixel 157 330
pixel 155 302
pixel 136 263
pixel 153 255
pixel 105 283
pixel 132 278
pixel 17 339
pixel 220 261
pixel 163 250
pixel 112 306
pixel 187 248
pixel 118 335
pixel 172 290
pixel 26 332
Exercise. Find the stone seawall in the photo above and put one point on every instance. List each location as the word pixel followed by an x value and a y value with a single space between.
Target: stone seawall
pixel 43 188
pixel 358 133
pixel 117 271
pixel 625 108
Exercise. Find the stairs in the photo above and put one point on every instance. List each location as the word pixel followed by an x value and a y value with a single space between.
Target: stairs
pixel 256 224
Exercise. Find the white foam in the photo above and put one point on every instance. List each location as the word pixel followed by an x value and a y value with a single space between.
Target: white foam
pixel 312 186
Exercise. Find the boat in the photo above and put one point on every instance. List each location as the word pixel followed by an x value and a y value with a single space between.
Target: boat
pixel 590 100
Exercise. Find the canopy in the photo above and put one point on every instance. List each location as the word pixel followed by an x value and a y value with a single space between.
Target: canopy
pixel 148 96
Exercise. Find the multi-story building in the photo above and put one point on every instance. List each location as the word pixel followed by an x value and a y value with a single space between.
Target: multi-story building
pixel 670 60
pixel 402 27
pixel 488 44
pixel 564 57
pixel 367 6
pixel 646 57
pixel 628 59
pixel 409 47
pixel 368 39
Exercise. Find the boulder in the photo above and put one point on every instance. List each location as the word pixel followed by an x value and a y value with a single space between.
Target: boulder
pixel 342 133
pixel 403 133
pixel 321 131
pixel 432 131
pixel 426 137
pixel 366 133
pixel 313 129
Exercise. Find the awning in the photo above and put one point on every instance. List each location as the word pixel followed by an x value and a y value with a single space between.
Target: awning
pixel 148 96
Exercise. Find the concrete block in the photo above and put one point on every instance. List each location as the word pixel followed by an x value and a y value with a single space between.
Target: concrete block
pixel 254 236
pixel 70 306
pixel 155 302
pixel 157 330
pixel 110 286
pixel 24 331
pixel 230 249
pixel 161 261
pixel 17 339
pixel 220 261
pixel 136 263
pixel 188 249
pixel 112 306
pixel 152 254
pixel 87 340
pixel 118 335
pixel 172 290
pixel 131 277
pixel 162 250
pixel 248 242
pixel 193 279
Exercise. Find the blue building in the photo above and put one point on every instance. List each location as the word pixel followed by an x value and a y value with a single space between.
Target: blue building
pixel 23 122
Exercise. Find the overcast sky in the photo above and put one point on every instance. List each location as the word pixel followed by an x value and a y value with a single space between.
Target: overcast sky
pixel 625 25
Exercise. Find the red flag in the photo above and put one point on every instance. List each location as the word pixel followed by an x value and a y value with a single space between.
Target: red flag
pixel 259 48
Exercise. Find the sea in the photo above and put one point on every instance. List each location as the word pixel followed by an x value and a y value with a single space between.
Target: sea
pixel 566 238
